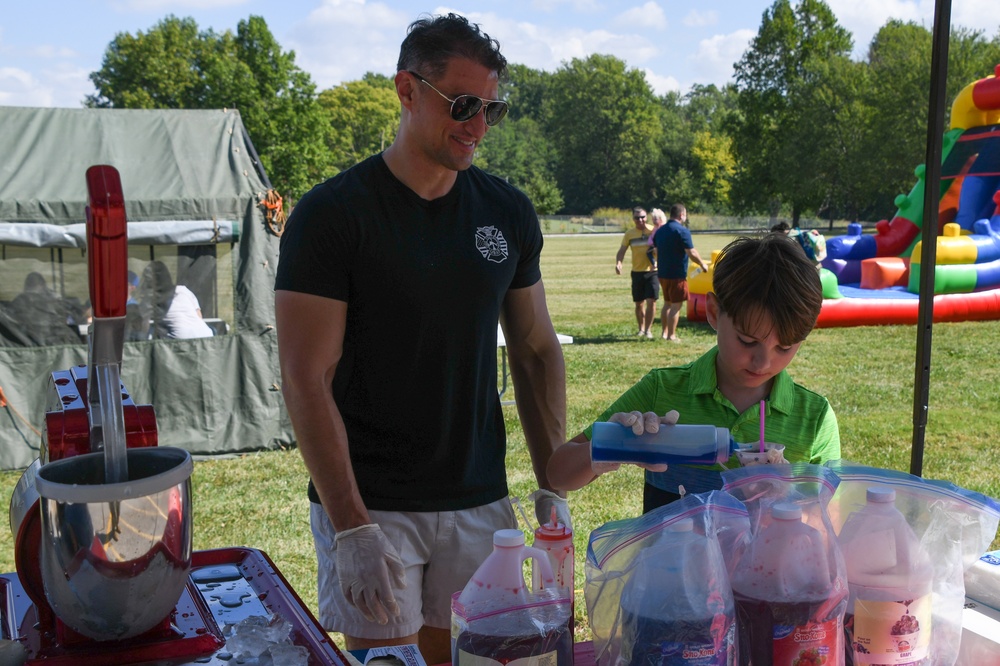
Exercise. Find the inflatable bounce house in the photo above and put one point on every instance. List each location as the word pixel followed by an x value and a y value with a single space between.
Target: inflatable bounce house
pixel 871 279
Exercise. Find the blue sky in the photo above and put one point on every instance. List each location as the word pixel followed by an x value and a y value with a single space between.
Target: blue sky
pixel 49 47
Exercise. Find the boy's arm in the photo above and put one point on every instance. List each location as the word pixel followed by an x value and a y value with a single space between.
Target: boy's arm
pixel 571 466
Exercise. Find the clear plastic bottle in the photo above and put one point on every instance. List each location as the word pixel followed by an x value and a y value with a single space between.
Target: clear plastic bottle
pixel 676 608
pixel 889 578
pixel 671 444
pixel 787 610
pixel 557 541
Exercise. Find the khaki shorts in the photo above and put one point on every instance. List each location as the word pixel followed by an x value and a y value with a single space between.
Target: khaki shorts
pixel 440 552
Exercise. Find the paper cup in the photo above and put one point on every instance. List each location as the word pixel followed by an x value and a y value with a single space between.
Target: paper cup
pixel 750 454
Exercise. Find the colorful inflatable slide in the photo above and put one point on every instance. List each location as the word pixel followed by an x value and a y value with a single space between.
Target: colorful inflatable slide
pixel 873 279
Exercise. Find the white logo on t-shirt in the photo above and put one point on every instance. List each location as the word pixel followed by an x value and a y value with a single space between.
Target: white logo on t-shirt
pixel 491 244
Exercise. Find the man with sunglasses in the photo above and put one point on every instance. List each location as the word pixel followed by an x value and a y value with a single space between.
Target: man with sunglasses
pixel 645 286
pixel 393 276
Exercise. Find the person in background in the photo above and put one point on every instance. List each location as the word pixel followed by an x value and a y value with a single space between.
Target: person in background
pixel 645 288
pixel 173 309
pixel 673 248
pixel 40 316
pixel 765 300
pixel 408 486
pixel 659 219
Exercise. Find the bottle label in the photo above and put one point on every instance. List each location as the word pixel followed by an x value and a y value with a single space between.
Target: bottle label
pixel 809 644
pixel 547 659
pixel 895 633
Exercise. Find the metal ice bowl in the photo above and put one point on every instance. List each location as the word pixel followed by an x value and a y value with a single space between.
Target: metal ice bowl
pixel 115 557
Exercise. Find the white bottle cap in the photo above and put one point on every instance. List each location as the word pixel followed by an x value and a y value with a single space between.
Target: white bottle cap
pixel 881 494
pixel 508 538
pixel 786 511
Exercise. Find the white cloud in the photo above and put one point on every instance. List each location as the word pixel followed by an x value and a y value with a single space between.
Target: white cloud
pixel 697 19
pixel 341 40
pixel 713 61
pixel 863 18
pixel 647 16
pixel 661 85
pixel 19 88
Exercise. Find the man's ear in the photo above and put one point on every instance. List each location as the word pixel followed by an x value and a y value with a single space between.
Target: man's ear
pixel 404 88
pixel 712 310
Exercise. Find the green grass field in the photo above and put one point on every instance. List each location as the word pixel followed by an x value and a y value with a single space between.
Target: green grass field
pixel 867 373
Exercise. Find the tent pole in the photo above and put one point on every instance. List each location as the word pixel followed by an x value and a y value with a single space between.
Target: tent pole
pixel 928 250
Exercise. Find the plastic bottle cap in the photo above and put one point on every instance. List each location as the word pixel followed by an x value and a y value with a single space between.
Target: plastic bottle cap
pixel 552 532
pixel 786 511
pixel 881 494
pixel 508 538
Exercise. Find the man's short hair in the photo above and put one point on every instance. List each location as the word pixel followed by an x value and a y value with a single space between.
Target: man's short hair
pixel 772 275
pixel 677 210
pixel 434 40
pixel 781 227
pixel 636 211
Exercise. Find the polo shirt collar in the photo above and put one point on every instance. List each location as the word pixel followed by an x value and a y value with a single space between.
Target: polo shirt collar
pixel 705 381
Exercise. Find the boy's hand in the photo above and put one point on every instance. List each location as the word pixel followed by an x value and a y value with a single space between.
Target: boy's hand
pixel 640 423
pixel 645 422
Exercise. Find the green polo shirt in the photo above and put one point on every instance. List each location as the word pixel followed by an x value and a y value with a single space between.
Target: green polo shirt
pixel 798 418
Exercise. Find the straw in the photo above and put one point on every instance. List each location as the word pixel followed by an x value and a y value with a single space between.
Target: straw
pixel 762 426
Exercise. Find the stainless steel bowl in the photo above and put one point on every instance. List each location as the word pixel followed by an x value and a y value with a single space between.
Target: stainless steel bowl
pixel 115 557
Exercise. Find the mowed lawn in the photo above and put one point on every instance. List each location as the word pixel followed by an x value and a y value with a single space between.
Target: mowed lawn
pixel 867 373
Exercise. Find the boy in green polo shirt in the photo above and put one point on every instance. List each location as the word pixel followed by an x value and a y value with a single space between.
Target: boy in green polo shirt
pixel 765 300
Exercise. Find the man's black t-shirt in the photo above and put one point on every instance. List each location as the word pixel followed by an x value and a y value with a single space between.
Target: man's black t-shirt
pixel 423 282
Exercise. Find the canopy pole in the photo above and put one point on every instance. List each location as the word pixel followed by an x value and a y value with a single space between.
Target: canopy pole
pixel 928 250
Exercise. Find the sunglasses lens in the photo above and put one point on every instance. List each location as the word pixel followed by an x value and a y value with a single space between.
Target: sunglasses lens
pixel 465 107
pixel 495 111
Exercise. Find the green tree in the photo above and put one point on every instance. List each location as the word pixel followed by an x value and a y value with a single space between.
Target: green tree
pixel 364 119
pixel 774 139
pixel 176 66
pixel 604 121
pixel 517 151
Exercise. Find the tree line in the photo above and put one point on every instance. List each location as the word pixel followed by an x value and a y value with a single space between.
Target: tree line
pixel 804 129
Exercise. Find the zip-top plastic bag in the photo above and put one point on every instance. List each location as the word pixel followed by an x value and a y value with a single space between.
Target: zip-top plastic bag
pixel 790 583
pixel 657 587
pixel 954 527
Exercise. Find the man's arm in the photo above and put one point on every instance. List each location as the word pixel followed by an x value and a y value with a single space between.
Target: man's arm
pixel 696 258
pixel 618 259
pixel 539 374
pixel 310 342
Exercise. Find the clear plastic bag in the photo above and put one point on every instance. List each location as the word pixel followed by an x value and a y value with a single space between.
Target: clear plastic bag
pixel 538 630
pixel 790 583
pixel 657 586
pixel 954 527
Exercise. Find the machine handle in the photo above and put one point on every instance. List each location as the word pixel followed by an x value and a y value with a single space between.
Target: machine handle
pixel 107 242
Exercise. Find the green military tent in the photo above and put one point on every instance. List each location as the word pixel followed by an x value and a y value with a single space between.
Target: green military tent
pixel 194 198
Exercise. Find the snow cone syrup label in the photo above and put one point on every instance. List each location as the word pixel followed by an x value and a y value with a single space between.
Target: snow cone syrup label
pixel 896 633
pixel 811 644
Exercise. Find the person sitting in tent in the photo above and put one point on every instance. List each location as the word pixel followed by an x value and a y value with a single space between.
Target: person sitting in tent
pixel 173 309
pixel 41 316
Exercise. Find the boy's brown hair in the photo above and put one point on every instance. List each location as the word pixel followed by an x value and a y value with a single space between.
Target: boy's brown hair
pixel 770 274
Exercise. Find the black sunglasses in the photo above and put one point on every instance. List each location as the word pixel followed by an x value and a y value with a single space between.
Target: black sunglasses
pixel 465 107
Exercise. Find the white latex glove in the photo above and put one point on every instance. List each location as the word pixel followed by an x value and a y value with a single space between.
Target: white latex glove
pixel 544 501
pixel 368 567
pixel 640 423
